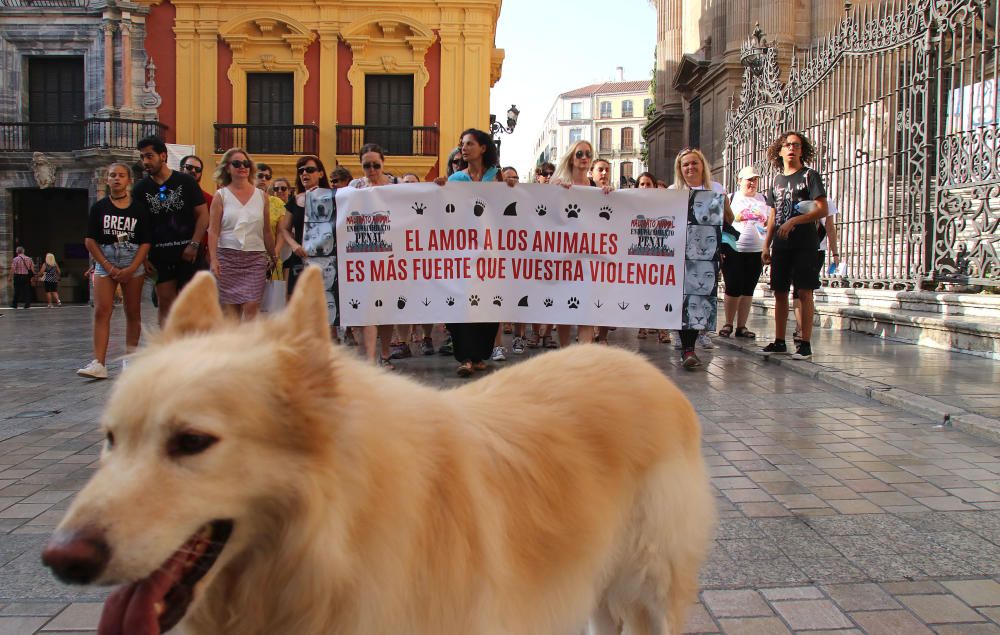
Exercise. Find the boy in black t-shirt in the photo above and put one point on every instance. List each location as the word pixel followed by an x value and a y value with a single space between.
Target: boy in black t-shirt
pixel 179 220
pixel 797 200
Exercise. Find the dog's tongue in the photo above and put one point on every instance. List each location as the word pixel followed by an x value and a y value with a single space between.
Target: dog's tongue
pixel 130 609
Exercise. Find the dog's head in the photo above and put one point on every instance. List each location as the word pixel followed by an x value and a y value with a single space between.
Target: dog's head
pixel 203 438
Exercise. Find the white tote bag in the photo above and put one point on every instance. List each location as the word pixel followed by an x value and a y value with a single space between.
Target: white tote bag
pixel 275 292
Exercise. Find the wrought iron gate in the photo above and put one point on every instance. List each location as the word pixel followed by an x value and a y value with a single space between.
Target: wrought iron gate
pixel 900 102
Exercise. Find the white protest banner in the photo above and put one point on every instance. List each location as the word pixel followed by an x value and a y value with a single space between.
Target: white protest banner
pixel 487 252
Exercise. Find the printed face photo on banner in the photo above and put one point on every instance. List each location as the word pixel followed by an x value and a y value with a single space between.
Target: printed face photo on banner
pixel 319 241
pixel 701 266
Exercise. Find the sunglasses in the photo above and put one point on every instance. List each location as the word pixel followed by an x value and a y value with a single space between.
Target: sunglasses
pixel 372 166
pixel 456 162
pixel 191 167
pixel 547 174
pixel 281 188
pixel 241 164
pixel 584 153
pixel 264 175
pixel 686 150
pixel 309 169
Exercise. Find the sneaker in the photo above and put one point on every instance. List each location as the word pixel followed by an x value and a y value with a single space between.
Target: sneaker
pixel 383 362
pixel 803 351
pixel 705 341
pixel 124 365
pixel 778 347
pixel 518 346
pixel 447 348
pixel 499 354
pixel 93 370
pixel 427 346
pixel 690 360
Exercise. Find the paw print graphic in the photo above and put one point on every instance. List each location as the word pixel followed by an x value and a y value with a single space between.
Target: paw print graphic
pixel 354 303
pixel 449 208
pixel 419 208
pixel 474 300
pixel 497 300
pixel 450 301
pixel 572 211
pixel 401 303
pixel 573 303
pixel 378 304
pixel 668 308
pixel 605 212
pixel 541 210
pixel 479 207
pixel 548 302
pixel 645 306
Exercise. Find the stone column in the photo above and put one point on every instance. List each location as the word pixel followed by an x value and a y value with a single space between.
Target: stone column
pixel 669 52
pixel 126 29
pixel 328 43
pixel 109 64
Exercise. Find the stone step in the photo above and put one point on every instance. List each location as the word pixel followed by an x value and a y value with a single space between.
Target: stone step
pixel 933 302
pixel 974 335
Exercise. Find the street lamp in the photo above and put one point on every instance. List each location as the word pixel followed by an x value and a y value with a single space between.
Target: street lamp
pixel 754 51
pixel 496 128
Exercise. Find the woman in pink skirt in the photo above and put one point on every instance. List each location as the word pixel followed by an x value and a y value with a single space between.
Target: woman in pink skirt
pixel 240 242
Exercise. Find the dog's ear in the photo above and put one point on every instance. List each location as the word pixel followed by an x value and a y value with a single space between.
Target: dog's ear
pixel 306 311
pixel 196 309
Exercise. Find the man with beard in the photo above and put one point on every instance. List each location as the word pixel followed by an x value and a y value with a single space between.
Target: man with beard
pixel 180 218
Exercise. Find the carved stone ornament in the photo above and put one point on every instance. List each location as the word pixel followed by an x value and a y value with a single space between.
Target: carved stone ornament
pixel 150 98
pixel 45 172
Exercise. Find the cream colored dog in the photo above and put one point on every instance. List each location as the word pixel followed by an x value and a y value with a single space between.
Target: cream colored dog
pixel 258 480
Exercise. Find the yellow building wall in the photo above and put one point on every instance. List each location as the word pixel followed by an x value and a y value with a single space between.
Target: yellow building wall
pixel 384 37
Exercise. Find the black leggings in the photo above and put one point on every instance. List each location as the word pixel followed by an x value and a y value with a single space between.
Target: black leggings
pixel 473 342
pixel 688 339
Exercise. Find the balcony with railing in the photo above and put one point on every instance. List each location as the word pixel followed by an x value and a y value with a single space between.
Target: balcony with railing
pixel 99 133
pixel 394 140
pixel 267 139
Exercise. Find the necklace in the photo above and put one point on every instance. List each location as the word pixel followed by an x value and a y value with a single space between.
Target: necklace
pixel 118 198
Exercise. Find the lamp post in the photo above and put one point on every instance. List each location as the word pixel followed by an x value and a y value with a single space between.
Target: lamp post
pixel 754 51
pixel 497 128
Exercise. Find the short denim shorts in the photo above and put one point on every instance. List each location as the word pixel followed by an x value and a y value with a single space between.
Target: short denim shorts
pixel 119 256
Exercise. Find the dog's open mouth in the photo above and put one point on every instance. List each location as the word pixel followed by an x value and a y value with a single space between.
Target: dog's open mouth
pixel 157 603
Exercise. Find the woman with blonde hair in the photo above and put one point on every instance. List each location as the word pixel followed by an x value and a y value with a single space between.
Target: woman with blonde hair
pixel 691 172
pixel 119 236
pixel 50 274
pixel 240 242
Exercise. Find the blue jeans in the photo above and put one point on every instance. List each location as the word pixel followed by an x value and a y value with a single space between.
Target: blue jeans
pixel 119 256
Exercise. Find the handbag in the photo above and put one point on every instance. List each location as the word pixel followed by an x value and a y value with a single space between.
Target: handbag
pixel 274 296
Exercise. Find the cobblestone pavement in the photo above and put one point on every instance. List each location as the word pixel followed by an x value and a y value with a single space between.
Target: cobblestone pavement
pixel 837 514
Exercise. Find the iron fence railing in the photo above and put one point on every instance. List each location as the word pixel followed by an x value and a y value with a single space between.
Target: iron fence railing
pixel 267 139
pixel 900 103
pixel 395 140
pixel 44 4
pixel 67 136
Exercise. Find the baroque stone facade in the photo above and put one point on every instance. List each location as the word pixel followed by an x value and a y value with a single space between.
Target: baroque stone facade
pixel 698 69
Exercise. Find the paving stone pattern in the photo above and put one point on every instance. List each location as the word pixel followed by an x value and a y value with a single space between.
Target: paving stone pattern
pixel 837 514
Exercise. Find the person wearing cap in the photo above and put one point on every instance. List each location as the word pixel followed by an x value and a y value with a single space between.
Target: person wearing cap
pixel 741 261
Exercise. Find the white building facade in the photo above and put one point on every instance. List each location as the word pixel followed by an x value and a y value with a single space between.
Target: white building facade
pixel 609 115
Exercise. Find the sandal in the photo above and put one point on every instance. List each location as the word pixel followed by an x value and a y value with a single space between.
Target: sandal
pixel 384 362
pixel 533 342
pixel 479 365
pixel 548 342
pixel 742 331
pixel 663 336
pixel 726 330
pixel 465 370
pixel 641 334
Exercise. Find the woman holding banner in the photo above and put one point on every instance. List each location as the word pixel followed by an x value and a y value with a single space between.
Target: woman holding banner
pixel 473 342
pixel 691 172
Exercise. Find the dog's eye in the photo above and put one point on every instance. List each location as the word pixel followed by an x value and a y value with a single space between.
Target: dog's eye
pixel 109 439
pixel 189 444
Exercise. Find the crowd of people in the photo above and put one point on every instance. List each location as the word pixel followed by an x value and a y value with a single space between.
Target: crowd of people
pixel 163 226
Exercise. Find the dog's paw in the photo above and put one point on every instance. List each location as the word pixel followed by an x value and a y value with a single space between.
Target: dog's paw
pixel 479 207
pixel 497 300
pixel 419 208
pixel 605 212
pixel 449 208
pixel 573 303
pixel 354 304
pixel 572 211
pixel 378 304
pixel 548 302
pixel 450 301
pixel 474 300
pixel 401 303
pixel 541 210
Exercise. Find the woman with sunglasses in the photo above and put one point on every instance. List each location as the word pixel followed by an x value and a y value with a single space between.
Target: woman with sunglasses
pixel 377 339
pixel 119 235
pixel 309 174
pixel 691 172
pixel 240 242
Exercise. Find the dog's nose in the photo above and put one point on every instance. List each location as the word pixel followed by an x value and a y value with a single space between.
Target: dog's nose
pixel 77 557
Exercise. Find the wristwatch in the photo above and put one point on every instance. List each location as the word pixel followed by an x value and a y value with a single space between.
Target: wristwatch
pixel 195 244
